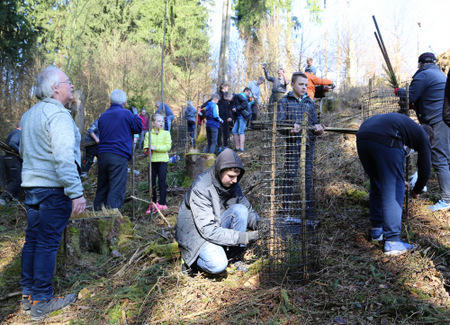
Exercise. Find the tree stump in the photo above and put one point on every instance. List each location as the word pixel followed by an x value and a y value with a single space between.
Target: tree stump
pixel 197 163
pixel 100 234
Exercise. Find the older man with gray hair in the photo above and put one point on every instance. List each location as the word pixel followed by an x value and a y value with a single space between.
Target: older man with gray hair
pixel 117 128
pixel 50 148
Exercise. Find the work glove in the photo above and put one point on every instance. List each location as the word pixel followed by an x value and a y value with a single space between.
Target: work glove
pixel 263 227
pixel 253 236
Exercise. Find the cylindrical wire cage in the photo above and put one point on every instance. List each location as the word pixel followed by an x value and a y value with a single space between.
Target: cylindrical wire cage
pixel 290 246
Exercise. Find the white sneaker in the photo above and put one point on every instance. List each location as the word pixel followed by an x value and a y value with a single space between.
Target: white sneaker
pixel 441 205
pixel 2 202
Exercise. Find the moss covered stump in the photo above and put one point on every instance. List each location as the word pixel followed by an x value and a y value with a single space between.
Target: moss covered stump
pixel 97 235
pixel 197 163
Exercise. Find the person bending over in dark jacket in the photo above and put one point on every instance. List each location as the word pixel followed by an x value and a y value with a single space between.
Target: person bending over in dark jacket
pixel 380 142
pixel 215 215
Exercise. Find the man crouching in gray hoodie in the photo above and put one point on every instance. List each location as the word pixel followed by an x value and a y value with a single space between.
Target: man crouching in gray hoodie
pixel 215 215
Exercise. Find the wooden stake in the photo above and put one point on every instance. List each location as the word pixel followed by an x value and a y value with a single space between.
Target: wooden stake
pixel 272 179
pixel 302 175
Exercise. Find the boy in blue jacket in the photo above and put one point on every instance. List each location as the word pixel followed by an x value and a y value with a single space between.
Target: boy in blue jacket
pixel 213 121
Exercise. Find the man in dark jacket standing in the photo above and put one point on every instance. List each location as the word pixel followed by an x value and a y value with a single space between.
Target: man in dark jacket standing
pixel 225 115
pixel 427 94
pixel 117 128
pixel 214 216
pixel 380 142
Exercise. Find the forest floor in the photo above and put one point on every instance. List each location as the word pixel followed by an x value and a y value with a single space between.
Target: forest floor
pixel 354 284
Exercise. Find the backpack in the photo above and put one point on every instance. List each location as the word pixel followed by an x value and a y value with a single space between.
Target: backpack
pixel 246 112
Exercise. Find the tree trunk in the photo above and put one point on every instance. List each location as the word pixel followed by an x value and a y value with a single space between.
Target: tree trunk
pixel 225 42
pixel 77 108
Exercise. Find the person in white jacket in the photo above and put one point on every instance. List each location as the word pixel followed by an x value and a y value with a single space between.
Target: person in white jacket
pixel 50 147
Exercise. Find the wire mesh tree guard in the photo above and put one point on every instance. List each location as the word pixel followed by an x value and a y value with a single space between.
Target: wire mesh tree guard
pixel 290 248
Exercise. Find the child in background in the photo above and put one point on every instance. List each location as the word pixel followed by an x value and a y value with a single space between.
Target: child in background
pixel 213 121
pixel 161 142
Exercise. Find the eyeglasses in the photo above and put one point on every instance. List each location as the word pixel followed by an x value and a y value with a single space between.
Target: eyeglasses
pixel 66 82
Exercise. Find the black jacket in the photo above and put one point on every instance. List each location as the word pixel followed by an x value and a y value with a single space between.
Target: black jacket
pixel 241 105
pixel 224 108
pixel 396 131
pixel 427 93
pixel 446 109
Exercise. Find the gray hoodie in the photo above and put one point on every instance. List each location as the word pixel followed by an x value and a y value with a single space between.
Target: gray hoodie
pixel 203 204
pixel 50 148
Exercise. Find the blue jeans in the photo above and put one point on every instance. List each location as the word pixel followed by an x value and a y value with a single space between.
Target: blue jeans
pixel 224 134
pixel 191 128
pixel 440 158
pixel 385 167
pixel 212 258
pixel 48 211
pixel 141 139
pixel 111 180
pixel 211 135
pixel 168 122
pixel 239 126
pixel 159 169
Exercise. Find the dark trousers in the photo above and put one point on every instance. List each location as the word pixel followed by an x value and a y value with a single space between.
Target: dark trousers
pixel 111 180
pixel 254 111
pixel 91 152
pixel 159 169
pixel 211 135
pixel 224 135
pixel 385 167
pixel 48 211
pixel 191 128
pixel 292 177
pixel 13 168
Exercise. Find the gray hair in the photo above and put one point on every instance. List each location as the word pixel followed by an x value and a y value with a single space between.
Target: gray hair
pixel 190 103
pixel 118 96
pixel 261 79
pixel 45 82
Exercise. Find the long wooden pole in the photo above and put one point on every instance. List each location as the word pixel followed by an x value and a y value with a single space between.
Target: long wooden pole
pixel 162 58
pixel 272 180
pixel 302 175
pixel 133 166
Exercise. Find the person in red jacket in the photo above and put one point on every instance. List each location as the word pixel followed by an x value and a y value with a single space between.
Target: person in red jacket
pixel 314 81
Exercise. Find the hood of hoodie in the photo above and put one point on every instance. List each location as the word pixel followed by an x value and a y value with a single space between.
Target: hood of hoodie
pixel 227 159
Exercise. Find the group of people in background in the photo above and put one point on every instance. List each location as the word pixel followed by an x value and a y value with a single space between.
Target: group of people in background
pixel 225 112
